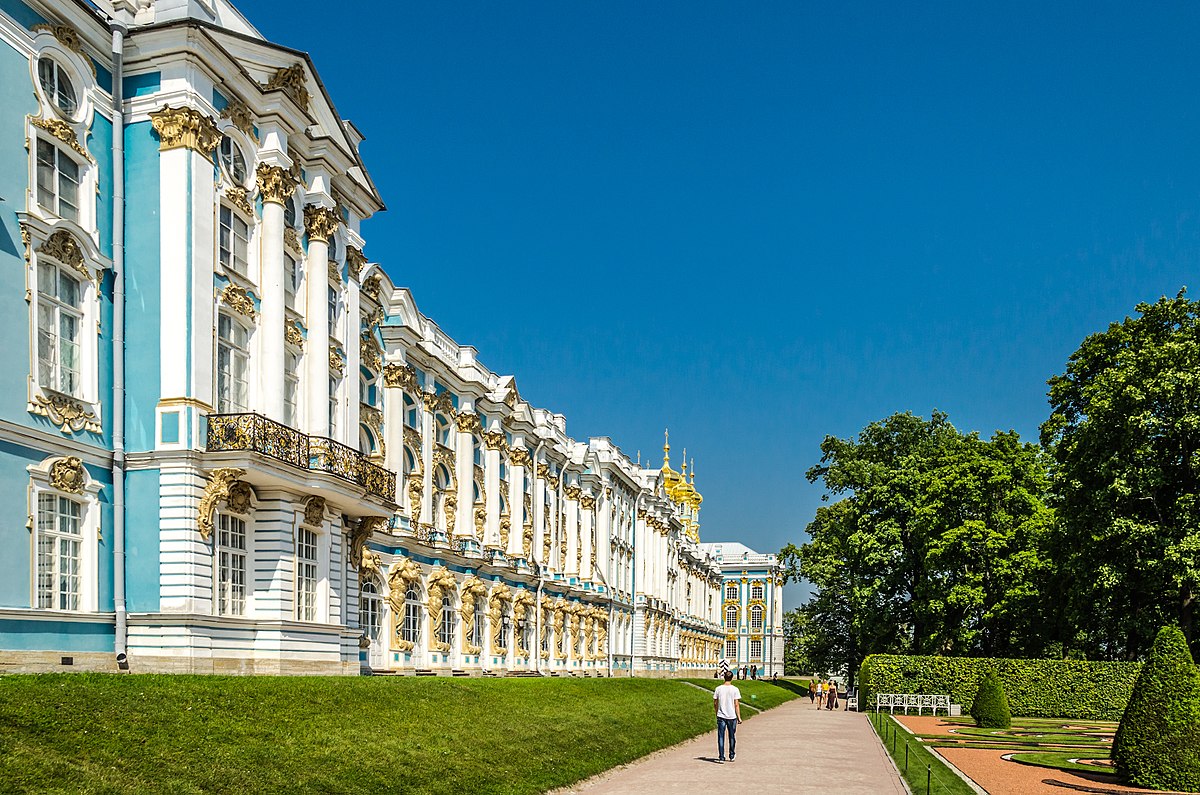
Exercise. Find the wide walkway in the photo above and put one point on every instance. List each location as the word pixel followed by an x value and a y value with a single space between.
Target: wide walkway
pixel 792 748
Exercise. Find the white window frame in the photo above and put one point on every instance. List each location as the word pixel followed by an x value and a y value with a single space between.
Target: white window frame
pixel 370 609
pixel 59 74
pixel 51 155
pixel 88 498
pixel 237 353
pixel 731 648
pixel 293 277
pixel 756 591
pixel 731 611
pixel 756 650
pixel 50 303
pixel 238 247
pixel 224 553
pixel 308 574
pixel 335 386
pixel 449 621
pixel 410 622
pixel 756 618
pixel 731 592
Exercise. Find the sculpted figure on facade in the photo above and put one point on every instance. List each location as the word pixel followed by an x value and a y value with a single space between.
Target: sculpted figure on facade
pixel 402 573
pixel 450 509
pixel 522 605
pixel 440 583
pixel 470 592
pixel 223 484
pixel 499 600
pixel 560 625
pixel 416 486
pixel 360 534
pixel 480 520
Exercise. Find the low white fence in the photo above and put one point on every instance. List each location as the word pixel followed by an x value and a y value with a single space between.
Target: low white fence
pixel 907 701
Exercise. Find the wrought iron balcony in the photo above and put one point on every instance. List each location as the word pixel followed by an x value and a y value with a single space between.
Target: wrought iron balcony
pixel 257 434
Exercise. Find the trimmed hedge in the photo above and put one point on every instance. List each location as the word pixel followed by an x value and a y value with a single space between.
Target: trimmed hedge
pixel 1158 742
pixel 990 709
pixel 1078 689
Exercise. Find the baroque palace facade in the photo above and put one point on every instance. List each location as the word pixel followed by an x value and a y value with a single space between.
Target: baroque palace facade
pixel 232 444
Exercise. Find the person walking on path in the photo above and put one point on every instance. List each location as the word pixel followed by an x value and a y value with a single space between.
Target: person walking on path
pixel 820 694
pixel 727 701
pixel 832 701
pixel 812 690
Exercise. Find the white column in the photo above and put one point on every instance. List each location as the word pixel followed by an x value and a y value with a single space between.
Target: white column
pixel 353 342
pixel 427 441
pixel 587 506
pixel 319 223
pixel 604 538
pixel 540 553
pixel 464 473
pixel 518 459
pixel 274 185
pixel 491 476
pixel 571 494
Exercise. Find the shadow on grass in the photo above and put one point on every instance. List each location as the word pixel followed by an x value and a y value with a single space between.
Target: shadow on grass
pixel 798 686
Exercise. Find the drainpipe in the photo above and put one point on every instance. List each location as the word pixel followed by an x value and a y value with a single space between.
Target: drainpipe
pixel 536 651
pixel 118 394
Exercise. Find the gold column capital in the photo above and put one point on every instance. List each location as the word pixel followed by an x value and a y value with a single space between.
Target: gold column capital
pixel 185 128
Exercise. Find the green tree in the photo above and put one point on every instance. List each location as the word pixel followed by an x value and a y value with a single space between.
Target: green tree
pixel 990 707
pixel 934 547
pixel 795 658
pixel 1158 742
pixel 1124 436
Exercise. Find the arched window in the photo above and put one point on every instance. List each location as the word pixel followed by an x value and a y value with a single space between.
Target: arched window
pixel 411 417
pixel 446 630
pixel 756 618
pixel 60 322
pixel 291 215
pixel 232 366
pixel 731 592
pixel 411 629
pixel 230 553
pixel 366 440
pixel 444 426
pixel 370 609
pixel 56 84
pixel 731 617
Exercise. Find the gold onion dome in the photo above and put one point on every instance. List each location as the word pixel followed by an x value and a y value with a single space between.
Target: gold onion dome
pixel 670 476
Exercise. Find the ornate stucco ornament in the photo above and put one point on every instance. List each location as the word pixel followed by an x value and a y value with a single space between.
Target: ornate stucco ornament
pixel 67 414
pixel 560 625
pixel 498 601
pixel 522 603
pixel 274 183
pixel 63 132
pixel 519 457
pixel 292 334
pixel 403 376
pixel 572 492
pixel 434 403
pixel 223 485
pixel 543 470
pixel 480 520
pixel 450 509
pixel 360 534
pixel 402 573
pixel 239 116
pixel 505 527
pixel 239 197
pixel 372 287
pixel 471 591
pixel 445 456
pixel 335 273
pixel 415 487
pixel 495 440
pixel 440 582
pixel 336 363
pixel 319 222
pixel 292 240
pixel 63 247
pixel 238 299
pixel 355 260
pixel 468 422
pixel 370 353
pixel 412 438
pixel 66 474
pixel 527 538
pixel 185 128
pixel 68 37
pixel 291 80
pixel 314 511
pixel 587 502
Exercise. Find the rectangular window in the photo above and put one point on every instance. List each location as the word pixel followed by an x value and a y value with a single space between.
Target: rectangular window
pixel 59 544
pixel 731 593
pixel 756 592
pixel 291 389
pixel 231 566
pixel 333 312
pixel 446 630
pixel 234 241
pixel 411 632
pixel 291 280
pixel 306 575
pixel 59 319
pixel 479 627
pixel 232 388
pixel 731 649
pixel 57 181
pixel 333 406
pixel 756 650
pixel 756 619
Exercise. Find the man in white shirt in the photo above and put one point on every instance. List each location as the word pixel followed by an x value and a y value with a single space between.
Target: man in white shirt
pixel 727 701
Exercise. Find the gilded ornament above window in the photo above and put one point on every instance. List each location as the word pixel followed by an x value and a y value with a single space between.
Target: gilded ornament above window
pixel 355 260
pixel 370 352
pixel 239 116
pixel 292 334
pixel 292 240
pixel 372 287
pixel 291 80
pixel 239 197
pixel 66 474
pixel 336 363
pixel 238 299
pixel 63 132
pixel 185 128
pixel 443 402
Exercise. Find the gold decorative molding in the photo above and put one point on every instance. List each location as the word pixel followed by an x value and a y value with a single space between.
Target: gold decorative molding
pixel 519 457
pixel 292 81
pixel 335 273
pixel 468 422
pixel 470 592
pixel 415 487
pixel 274 183
pixel 412 437
pixel 440 581
pixel 505 529
pixel 573 492
pixel 445 456
pixel 587 502
pixel 66 474
pixel 495 440
pixel 450 510
pixel 372 287
pixel 68 37
pixel 336 363
pixel 292 334
pixel 355 260
pixel 63 132
pixel 239 115
pixel 25 240
pixel 239 197
pixel 223 485
pixel 63 247
pixel 185 128
pixel 314 511
pixel 403 376
pixel 238 299
pixel 480 518
pixel 369 351
pixel 543 470
pixel 360 533
pixel 292 240
pixel 500 597
pixel 434 403
pixel 319 222
pixel 402 573
pixel 67 414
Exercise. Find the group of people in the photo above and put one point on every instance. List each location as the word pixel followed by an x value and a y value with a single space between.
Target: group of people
pixel 823 694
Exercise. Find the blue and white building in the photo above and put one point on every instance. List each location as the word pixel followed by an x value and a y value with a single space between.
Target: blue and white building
pixel 230 442
pixel 751 607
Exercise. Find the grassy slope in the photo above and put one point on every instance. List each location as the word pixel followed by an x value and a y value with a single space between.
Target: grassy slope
pixel 126 734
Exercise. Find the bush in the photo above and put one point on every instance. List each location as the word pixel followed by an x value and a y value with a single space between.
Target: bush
pixel 990 708
pixel 1158 742
pixel 1076 689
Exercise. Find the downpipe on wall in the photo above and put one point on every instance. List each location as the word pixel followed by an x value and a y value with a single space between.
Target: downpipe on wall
pixel 118 29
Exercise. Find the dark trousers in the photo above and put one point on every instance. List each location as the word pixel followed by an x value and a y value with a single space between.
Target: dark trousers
pixel 726 725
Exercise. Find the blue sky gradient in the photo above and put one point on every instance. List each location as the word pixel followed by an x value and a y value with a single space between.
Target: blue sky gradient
pixel 761 223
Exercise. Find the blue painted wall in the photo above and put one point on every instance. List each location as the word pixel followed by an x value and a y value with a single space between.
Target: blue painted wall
pixel 142 314
pixel 142 541
pixel 22 13
pixel 65 636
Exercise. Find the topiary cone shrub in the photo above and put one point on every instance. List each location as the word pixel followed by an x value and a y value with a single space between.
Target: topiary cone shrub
pixel 990 709
pixel 1158 742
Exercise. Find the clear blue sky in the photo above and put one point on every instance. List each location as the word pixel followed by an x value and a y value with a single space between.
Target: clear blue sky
pixel 761 223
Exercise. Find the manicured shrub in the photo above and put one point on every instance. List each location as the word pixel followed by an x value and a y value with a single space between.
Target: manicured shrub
pixel 1158 742
pixel 990 709
pixel 1079 689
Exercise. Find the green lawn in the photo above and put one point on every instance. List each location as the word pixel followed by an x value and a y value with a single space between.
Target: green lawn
pixel 760 693
pixel 96 733
pixel 915 762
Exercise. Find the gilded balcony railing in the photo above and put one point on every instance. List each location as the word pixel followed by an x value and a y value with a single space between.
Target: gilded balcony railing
pixel 255 433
